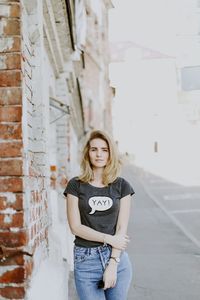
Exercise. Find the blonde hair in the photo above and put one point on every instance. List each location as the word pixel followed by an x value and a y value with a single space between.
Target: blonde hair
pixel 112 168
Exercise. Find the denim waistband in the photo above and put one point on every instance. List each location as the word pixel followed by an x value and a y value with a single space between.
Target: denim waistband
pixel 91 250
pixel 102 252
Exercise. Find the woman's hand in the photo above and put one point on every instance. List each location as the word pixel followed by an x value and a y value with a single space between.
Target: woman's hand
pixel 110 275
pixel 118 241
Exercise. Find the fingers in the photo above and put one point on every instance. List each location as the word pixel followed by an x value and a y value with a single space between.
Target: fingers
pixel 120 241
pixel 125 242
pixel 109 284
pixel 127 238
pixel 122 246
pixel 113 284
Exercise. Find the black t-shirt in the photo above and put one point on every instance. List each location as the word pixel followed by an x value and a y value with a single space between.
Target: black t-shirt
pixel 98 206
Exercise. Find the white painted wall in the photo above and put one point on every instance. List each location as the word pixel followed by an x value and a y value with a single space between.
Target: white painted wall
pixel 51 278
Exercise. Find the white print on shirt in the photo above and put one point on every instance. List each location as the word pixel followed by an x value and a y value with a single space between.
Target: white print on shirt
pixel 99 203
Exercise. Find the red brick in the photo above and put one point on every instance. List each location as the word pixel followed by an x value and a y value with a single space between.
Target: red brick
pixel 12 167
pixel 10 44
pixel 10 114
pixel 13 184
pixel 17 204
pixel 16 220
pixel 10 292
pixel 15 260
pixel 10 1
pixel 10 78
pixel 9 131
pixel 11 96
pixel 15 10
pixel 36 196
pixel 12 149
pixel 12 27
pixel 13 239
pixel 12 10
pixel 14 276
pixel 33 171
pixel 29 268
pixel 11 61
pixel 3 200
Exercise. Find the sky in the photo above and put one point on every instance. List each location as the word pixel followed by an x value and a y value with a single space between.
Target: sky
pixel 154 23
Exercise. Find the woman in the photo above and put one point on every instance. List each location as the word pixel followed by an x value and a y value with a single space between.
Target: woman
pixel 98 207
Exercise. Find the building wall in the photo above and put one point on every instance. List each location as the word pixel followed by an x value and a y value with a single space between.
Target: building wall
pixel 44 100
pixel 13 234
pixel 98 93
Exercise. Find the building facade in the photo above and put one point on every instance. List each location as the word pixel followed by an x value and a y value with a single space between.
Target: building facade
pixel 54 87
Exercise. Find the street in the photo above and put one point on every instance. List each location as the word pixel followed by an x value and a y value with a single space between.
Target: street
pixel 164 247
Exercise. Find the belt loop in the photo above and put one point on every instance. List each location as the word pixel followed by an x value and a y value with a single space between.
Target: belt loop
pixel 103 262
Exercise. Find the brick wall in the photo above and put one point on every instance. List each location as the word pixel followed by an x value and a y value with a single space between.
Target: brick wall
pixel 25 82
pixel 23 176
pixel 34 127
pixel 13 236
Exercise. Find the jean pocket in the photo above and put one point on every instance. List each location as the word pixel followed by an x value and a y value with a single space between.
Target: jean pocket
pixel 80 254
pixel 80 258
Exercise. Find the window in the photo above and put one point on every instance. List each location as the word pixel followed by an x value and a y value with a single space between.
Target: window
pixel 190 78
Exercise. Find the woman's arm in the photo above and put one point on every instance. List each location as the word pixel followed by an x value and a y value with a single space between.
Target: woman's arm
pixel 123 219
pixel 110 274
pixel 118 241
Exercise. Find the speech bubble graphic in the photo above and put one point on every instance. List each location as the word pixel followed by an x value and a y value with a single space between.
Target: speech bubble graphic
pixel 99 203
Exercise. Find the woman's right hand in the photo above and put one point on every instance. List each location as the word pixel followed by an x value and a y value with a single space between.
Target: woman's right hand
pixel 118 241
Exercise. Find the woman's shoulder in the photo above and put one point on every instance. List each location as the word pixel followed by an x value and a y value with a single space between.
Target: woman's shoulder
pixel 72 186
pixel 74 179
pixel 124 186
pixel 119 180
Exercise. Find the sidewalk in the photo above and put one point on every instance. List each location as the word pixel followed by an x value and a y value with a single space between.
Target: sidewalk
pixel 166 261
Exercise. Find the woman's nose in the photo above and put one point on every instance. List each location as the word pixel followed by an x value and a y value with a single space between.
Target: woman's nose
pixel 99 153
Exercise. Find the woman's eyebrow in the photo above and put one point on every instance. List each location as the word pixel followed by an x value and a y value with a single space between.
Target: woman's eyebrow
pixel 104 148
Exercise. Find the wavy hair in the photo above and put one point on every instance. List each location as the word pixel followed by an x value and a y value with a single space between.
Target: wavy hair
pixel 112 168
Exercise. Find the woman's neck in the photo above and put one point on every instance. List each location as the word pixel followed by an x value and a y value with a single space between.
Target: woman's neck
pixel 98 176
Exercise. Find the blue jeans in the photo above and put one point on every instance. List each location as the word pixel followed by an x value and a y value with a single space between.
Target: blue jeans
pixel 89 266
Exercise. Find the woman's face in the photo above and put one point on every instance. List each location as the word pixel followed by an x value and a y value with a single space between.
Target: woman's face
pixel 98 153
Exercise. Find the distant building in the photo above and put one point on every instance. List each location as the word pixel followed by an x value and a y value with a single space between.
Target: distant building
pixel 188 65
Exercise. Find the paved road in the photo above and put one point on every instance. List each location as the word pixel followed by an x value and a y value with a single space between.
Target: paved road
pixel 165 245
pixel 181 203
pixel 166 260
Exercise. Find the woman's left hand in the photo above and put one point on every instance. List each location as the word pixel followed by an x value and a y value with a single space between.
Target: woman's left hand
pixel 110 275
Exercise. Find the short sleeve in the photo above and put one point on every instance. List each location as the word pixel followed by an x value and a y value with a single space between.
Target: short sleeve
pixel 126 188
pixel 72 187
